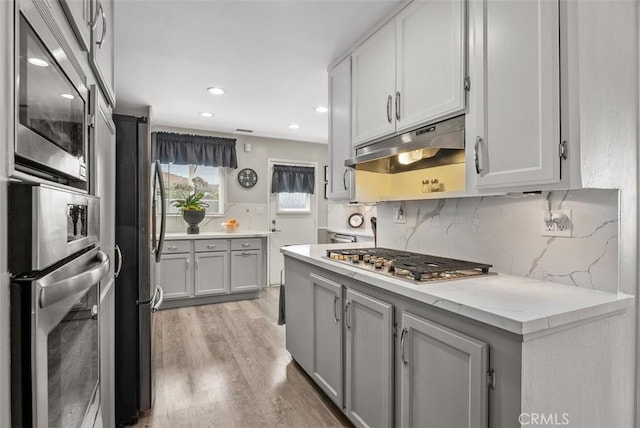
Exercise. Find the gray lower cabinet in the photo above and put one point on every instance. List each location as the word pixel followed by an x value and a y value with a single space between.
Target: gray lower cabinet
pixel 176 275
pixel 107 322
pixel 211 273
pixel 327 336
pixel 443 380
pixel 369 360
pixel 246 270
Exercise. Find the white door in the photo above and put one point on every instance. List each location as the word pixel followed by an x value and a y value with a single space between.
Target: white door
pixel 293 219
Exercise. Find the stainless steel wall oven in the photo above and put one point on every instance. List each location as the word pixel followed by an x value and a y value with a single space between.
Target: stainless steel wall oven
pixel 51 100
pixel 56 266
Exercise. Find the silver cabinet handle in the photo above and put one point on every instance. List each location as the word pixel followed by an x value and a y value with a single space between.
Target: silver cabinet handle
pixel 389 117
pixel 211 245
pixel 197 263
pixel 100 12
pixel 117 248
pixel 476 154
pixel 187 263
pixel 94 312
pixel 397 105
pixel 344 178
pixel 402 337
pixel 60 290
pixel 346 315
pixel 246 253
pixel 335 316
pixel 245 244
pixel 172 248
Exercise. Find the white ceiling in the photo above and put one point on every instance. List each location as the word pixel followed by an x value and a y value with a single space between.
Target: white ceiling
pixel 271 57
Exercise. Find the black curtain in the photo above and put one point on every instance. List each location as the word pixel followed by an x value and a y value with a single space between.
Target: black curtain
pixel 293 179
pixel 183 149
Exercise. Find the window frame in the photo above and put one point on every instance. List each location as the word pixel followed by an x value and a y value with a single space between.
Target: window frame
pixel 222 191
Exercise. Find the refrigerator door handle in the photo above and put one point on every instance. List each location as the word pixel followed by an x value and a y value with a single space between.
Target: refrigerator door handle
pixel 158 303
pixel 158 181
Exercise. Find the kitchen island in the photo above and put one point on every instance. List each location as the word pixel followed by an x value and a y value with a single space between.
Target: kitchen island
pixel 494 350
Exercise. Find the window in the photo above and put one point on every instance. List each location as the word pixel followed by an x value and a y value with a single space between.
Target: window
pixel 293 203
pixel 183 180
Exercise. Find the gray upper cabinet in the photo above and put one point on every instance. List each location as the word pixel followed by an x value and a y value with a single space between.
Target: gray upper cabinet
pixel 341 178
pixel 514 147
pixel 443 380
pixel 211 274
pixel 102 47
pixel 327 336
pixel 369 360
pixel 103 164
pixel 78 13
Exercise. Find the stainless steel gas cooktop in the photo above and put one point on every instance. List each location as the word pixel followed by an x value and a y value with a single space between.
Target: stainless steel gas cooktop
pixel 412 267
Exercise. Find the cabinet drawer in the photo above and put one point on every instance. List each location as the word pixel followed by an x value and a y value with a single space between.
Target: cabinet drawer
pixel 172 247
pixel 246 244
pixel 211 245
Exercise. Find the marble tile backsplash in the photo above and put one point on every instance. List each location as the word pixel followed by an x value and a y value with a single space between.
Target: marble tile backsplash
pixel 251 216
pixel 506 231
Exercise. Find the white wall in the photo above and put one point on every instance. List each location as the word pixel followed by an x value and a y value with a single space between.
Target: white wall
pixel 240 199
pixel 6 75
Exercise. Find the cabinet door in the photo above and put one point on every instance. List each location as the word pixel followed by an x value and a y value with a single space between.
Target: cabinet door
pixel 517 112
pixel 369 361
pixel 327 336
pixel 102 48
pixel 103 171
pixel 443 376
pixel 211 273
pixel 341 178
pixel 175 275
pixel 430 62
pixel 78 13
pixel 107 326
pixel 246 270
pixel 374 83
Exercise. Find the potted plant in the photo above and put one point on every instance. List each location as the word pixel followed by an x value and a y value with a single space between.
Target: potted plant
pixel 193 210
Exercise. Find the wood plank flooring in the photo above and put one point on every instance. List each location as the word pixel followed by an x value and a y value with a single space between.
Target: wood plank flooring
pixel 225 365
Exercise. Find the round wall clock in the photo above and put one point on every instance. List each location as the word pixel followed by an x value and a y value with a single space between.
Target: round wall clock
pixel 247 178
pixel 356 220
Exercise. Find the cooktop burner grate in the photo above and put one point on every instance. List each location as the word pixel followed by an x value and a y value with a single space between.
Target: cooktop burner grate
pixel 408 265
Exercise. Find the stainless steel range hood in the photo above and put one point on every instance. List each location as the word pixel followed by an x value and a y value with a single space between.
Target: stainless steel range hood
pixel 437 144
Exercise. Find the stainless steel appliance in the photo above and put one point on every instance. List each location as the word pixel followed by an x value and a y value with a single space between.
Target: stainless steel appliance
pixel 56 266
pixel 51 100
pixel 341 237
pixel 140 220
pixel 437 144
pixel 412 267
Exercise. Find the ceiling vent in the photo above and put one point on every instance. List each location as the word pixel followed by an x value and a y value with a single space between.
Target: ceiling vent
pixel 249 131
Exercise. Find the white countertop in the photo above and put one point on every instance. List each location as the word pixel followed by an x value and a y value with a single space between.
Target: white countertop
pixel 218 235
pixel 520 305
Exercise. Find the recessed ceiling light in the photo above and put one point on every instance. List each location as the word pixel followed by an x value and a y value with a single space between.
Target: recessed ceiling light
pixel 67 96
pixel 322 109
pixel 206 114
pixel 294 126
pixel 216 91
pixel 38 62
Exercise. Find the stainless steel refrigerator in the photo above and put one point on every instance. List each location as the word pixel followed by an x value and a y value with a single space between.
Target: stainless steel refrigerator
pixel 140 220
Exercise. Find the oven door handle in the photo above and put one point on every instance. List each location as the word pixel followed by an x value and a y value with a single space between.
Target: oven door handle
pixel 60 290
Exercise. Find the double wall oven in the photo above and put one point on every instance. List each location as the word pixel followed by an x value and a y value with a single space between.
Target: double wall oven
pixel 56 267
pixel 55 259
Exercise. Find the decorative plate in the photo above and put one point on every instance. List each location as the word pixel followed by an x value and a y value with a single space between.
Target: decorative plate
pixel 247 178
pixel 356 220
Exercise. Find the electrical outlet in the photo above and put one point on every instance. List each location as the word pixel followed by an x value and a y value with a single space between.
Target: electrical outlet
pixel 561 224
pixel 399 217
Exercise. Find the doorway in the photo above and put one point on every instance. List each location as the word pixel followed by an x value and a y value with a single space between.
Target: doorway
pixel 293 218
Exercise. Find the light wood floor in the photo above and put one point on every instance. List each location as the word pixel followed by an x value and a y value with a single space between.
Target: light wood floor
pixel 226 365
